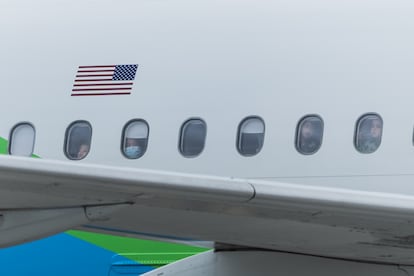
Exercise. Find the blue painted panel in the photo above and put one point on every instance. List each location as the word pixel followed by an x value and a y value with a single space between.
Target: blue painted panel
pixel 61 255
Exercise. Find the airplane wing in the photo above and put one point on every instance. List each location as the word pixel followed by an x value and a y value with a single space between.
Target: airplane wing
pixel 41 197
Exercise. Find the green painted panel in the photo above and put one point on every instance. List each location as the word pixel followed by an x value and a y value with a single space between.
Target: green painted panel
pixel 142 251
pixel 3 146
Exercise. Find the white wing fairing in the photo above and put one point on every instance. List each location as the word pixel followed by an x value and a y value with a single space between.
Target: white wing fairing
pixel 267 214
pixel 18 226
pixel 246 263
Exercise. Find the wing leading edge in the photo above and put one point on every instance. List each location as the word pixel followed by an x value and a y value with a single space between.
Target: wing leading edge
pixel 284 216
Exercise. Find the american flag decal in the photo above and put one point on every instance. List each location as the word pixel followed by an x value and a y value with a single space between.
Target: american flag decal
pixel 103 80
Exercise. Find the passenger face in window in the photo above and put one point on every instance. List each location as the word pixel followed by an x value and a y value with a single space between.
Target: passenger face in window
pixel 307 131
pixel 132 148
pixel 83 151
pixel 134 139
pixel 369 136
pixel 309 141
pixel 78 140
pixel 376 128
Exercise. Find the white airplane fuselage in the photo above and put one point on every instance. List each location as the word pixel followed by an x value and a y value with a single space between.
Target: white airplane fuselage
pixel 224 61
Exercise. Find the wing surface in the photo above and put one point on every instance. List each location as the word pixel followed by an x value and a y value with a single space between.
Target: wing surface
pixel 40 197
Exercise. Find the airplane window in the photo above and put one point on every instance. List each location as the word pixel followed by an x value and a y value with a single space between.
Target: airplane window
pixel 368 133
pixel 309 134
pixel 22 140
pixel 78 140
pixel 193 136
pixel 250 136
pixel 135 139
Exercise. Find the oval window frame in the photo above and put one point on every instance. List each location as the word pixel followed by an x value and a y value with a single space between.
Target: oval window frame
pixel 181 137
pixel 67 132
pixel 357 131
pixel 123 138
pixel 301 121
pixel 239 134
pixel 10 144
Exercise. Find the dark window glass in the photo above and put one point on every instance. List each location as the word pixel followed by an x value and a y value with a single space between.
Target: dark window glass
pixel 309 134
pixel 193 136
pixel 78 140
pixel 368 133
pixel 22 140
pixel 251 136
pixel 135 139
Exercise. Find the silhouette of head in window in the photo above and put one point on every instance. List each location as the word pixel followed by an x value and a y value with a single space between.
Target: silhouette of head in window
pixel 309 140
pixel 370 135
pixel 83 151
pixel 376 128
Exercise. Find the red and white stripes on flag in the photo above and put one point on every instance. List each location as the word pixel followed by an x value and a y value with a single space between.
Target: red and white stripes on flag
pixel 102 80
